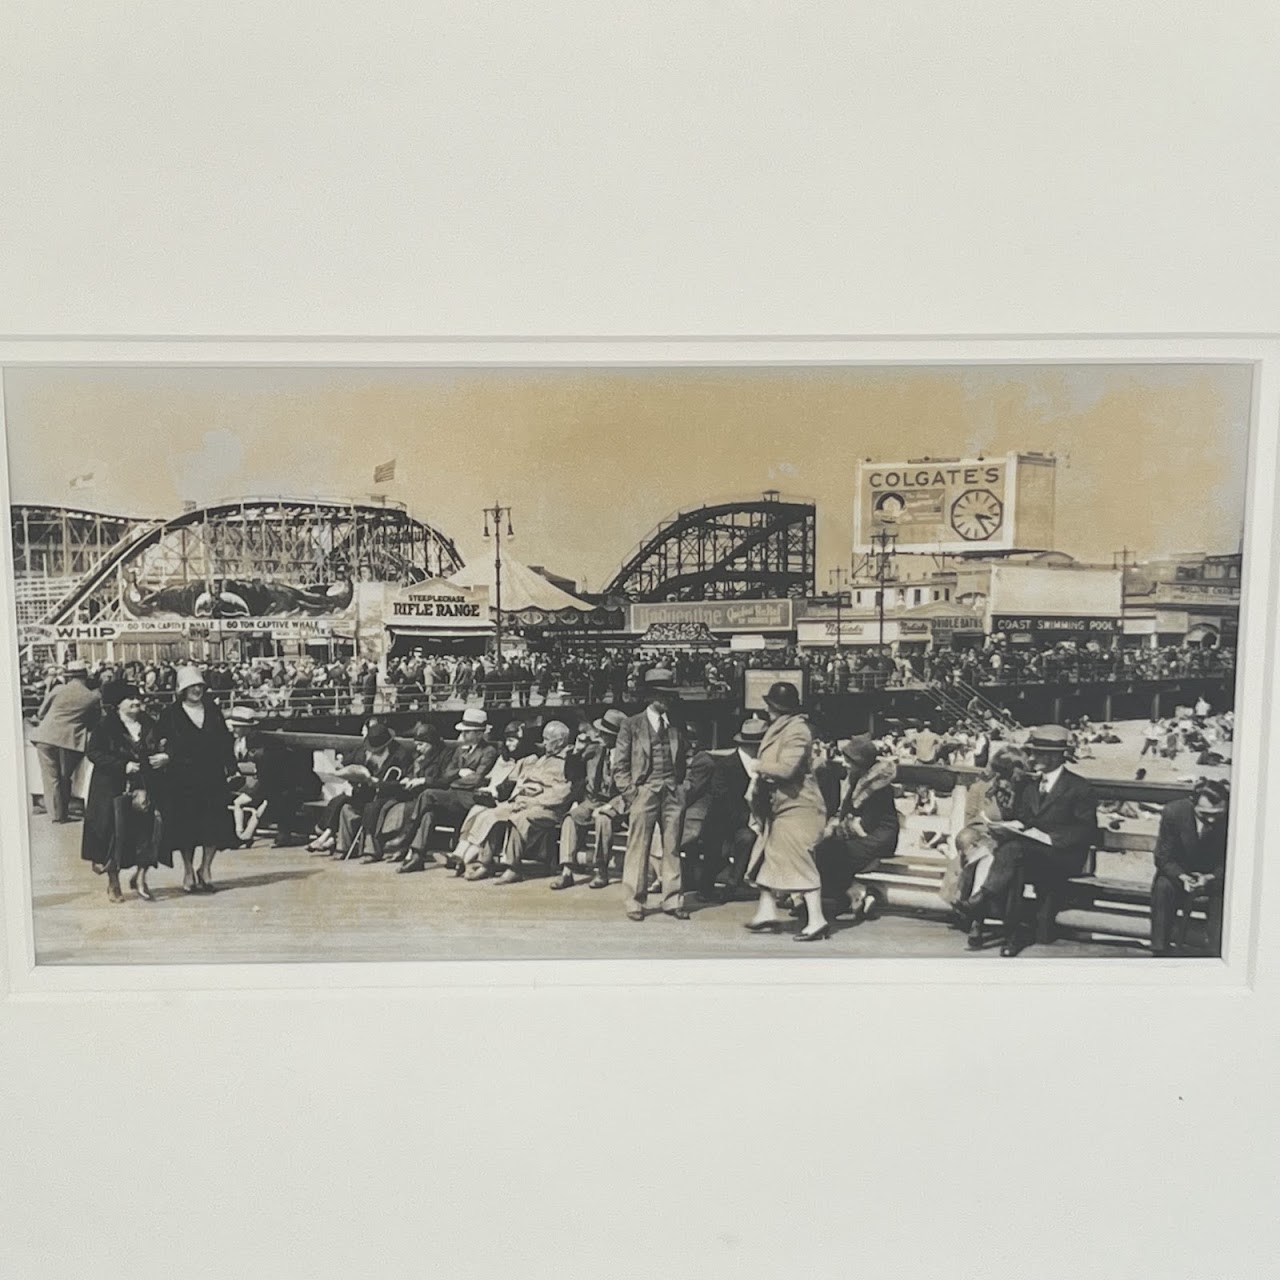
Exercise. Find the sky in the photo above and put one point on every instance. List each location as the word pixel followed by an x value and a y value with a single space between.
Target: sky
pixel 1152 457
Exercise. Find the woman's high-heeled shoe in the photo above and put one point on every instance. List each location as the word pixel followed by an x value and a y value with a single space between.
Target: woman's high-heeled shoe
pixel 143 892
pixel 818 935
pixel 763 926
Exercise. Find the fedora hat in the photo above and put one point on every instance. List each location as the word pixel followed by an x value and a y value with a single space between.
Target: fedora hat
pixel 751 733
pixel 860 751
pixel 783 696
pixel 242 715
pixel 659 679
pixel 188 677
pixel 1048 738
pixel 473 718
pixel 611 722
pixel 378 736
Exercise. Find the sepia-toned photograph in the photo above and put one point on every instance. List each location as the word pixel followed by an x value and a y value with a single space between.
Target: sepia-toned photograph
pixel 435 663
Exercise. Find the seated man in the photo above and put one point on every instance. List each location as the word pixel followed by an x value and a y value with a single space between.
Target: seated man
pixel 497 787
pixel 396 819
pixel 464 771
pixel 1054 826
pixel 381 761
pixel 1191 861
pixel 717 832
pixel 540 797
pixel 598 812
pixel 376 755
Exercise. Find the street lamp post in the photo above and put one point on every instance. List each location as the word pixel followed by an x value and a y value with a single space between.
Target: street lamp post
pixel 883 543
pixel 839 579
pixel 498 513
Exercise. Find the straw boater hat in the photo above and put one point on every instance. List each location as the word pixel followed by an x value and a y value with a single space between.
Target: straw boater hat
pixel 751 733
pixel 1048 739
pixel 77 667
pixel 188 677
pixel 473 718
pixel 243 716
pixel 611 722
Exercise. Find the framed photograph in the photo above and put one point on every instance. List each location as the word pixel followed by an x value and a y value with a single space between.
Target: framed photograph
pixel 260 682
pixel 420 421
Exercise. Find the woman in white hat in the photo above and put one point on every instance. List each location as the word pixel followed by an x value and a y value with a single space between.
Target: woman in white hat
pixel 197 792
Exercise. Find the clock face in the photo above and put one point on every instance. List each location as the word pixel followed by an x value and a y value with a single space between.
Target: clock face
pixel 977 514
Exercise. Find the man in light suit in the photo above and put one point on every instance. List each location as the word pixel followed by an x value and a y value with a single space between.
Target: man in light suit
pixel 649 766
pixel 67 714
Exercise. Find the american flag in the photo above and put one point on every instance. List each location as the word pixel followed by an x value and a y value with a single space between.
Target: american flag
pixel 385 473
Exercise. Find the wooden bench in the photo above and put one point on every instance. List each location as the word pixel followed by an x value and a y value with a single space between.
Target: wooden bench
pixel 1107 902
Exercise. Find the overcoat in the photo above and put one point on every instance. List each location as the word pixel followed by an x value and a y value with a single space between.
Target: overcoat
pixel 791 806
pixel 116 830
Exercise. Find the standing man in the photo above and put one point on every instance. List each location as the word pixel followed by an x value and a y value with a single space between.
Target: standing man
pixel 1191 863
pixel 1055 824
pixel 66 715
pixel 649 765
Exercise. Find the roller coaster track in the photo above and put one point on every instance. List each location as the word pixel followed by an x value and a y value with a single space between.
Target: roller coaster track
pixel 701 552
pixel 149 535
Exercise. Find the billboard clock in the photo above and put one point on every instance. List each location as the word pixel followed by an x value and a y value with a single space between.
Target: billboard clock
pixel 977 514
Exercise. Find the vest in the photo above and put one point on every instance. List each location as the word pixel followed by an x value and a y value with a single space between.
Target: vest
pixel 663 769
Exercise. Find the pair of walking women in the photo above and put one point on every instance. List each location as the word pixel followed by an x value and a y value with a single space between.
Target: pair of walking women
pixel 160 785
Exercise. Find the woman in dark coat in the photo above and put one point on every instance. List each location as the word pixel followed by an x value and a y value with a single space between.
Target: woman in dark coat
pixel 122 827
pixel 197 796
pixel 863 830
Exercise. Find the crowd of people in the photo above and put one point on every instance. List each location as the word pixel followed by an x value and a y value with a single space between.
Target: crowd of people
pixel 569 674
pixel 788 811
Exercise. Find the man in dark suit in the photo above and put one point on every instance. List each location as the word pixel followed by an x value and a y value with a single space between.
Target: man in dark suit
pixel 1191 863
pixel 717 833
pixel 598 809
pixel 386 760
pixel 1047 841
pixel 463 773
pixel 67 714
pixel 649 767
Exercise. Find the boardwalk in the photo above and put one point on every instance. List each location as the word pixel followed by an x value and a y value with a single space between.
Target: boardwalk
pixel 289 905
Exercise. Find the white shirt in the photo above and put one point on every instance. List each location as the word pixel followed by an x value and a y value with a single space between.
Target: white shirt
pixel 656 719
pixel 748 762
pixel 1050 780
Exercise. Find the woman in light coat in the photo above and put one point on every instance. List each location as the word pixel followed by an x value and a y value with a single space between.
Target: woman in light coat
pixel 787 802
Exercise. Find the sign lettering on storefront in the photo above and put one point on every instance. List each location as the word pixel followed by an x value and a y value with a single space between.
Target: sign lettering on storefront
pixel 716 615
pixel 1055 626
pixel 1192 592
pixel 440 603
